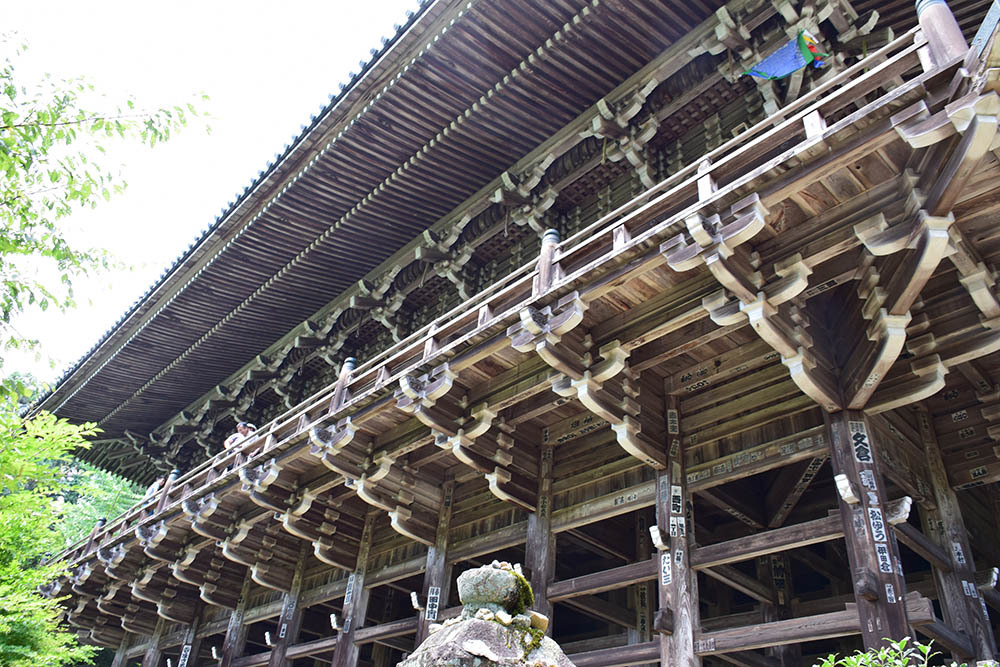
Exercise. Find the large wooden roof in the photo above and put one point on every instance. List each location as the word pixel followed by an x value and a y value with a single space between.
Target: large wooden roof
pixel 459 95
pixel 421 159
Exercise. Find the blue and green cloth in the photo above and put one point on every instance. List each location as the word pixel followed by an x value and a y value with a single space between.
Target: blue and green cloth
pixel 791 57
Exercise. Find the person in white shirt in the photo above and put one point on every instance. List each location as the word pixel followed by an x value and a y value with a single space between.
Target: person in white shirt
pixel 243 431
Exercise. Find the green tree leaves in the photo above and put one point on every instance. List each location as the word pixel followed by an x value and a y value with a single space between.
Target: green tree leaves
pixel 52 162
pixel 53 134
pixel 32 456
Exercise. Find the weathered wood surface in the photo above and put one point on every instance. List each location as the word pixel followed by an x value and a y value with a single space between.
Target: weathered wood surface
pixel 531 415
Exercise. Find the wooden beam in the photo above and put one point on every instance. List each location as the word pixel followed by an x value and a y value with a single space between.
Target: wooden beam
pixel 798 630
pixel 437 571
pixel 677 618
pixel 594 606
pixel 151 658
pixel 749 659
pixel 540 544
pixel 944 635
pixel 236 633
pixel 788 488
pixel 772 541
pixel 121 655
pixel 923 546
pixel 608 580
pixel 871 545
pixel 744 583
pixel 775 571
pixel 355 602
pixel 641 594
pixel 963 608
pixel 618 656
pixel 757 459
pixel 383 631
pixel 191 642
pixel 734 507
pixel 290 618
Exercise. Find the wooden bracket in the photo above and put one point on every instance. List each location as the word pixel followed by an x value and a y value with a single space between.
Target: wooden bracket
pixel 419 396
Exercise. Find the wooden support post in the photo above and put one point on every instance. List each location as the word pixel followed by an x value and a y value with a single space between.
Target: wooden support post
pixel 437 574
pixel 152 656
pixel 548 269
pixel 236 631
pixel 381 655
pixel 945 40
pixel 355 602
pixel 961 603
pixel 540 544
pixel 191 644
pixel 291 611
pixel 162 502
pixel 677 617
pixel 641 592
pixel 121 654
pixel 776 573
pixel 871 544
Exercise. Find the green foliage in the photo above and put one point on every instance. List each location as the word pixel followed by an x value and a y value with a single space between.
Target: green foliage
pixel 525 597
pixel 92 494
pixel 33 454
pixel 901 653
pixel 53 138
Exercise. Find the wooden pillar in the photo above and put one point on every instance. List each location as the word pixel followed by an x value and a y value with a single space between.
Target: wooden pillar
pixel 355 602
pixel 945 40
pixel 236 632
pixel 191 644
pixel 547 267
pixel 291 612
pixel 437 573
pixel 961 603
pixel 540 545
pixel 775 572
pixel 381 655
pixel 678 616
pixel 162 502
pixel 152 656
pixel 120 655
pixel 641 593
pixel 871 543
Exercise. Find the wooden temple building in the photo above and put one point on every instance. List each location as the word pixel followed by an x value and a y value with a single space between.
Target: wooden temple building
pixel 716 358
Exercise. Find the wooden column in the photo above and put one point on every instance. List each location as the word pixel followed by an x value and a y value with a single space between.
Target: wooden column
pixel 153 655
pixel 540 544
pixel 191 644
pixel 236 632
pixel 437 573
pixel 871 543
pixel 291 612
pixel 775 572
pixel 944 36
pixel 355 602
pixel 641 593
pixel 962 605
pixel 120 655
pixel 381 655
pixel 678 617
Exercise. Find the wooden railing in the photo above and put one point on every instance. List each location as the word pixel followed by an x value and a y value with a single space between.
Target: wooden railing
pixel 602 250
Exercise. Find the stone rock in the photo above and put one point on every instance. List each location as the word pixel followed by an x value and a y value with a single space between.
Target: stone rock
pixel 489 588
pixel 490 643
pixel 540 621
pixel 494 629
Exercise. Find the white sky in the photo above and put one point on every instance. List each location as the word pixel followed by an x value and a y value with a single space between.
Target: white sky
pixel 267 67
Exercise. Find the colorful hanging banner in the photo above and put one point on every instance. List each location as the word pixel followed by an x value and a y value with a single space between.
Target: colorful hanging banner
pixel 790 58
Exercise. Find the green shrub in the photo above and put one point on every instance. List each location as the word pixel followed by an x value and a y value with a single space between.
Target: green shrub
pixel 902 653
